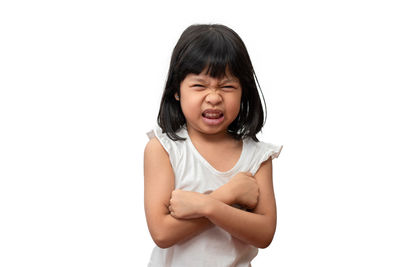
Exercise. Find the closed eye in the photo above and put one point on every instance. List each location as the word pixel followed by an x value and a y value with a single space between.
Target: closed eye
pixel 198 87
pixel 228 88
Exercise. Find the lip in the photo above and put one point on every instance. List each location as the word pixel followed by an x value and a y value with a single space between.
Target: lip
pixel 213 122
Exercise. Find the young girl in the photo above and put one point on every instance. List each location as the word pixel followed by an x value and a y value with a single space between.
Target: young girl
pixel 209 197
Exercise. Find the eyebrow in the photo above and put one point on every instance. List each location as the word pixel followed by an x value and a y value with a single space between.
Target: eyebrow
pixel 198 79
pixel 229 81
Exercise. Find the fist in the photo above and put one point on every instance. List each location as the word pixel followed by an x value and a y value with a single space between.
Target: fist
pixel 245 189
pixel 186 204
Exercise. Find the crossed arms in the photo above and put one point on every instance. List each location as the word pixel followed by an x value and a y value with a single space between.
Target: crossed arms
pixel 176 215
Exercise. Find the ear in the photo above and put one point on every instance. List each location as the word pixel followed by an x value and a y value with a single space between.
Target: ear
pixel 176 96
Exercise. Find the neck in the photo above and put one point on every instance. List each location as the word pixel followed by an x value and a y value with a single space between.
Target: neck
pixel 209 138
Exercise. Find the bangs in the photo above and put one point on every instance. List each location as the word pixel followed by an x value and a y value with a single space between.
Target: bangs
pixel 212 52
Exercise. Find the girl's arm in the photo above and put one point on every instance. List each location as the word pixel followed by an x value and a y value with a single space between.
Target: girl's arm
pixel 257 228
pixel 158 185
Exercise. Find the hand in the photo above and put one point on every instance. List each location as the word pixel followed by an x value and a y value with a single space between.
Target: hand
pixel 244 189
pixel 186 204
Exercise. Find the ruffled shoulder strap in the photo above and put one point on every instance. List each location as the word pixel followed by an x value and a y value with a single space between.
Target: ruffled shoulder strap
pixel 173 148
pixel 165 141
pixel 260 152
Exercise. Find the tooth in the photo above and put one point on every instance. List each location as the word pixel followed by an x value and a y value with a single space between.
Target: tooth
pixel 212 115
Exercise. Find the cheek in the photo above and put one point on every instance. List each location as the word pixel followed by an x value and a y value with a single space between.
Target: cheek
pixel 237 109
pixel 189 104
pixel 234 106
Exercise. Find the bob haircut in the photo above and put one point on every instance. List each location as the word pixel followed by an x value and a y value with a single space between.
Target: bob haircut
pixel 217 48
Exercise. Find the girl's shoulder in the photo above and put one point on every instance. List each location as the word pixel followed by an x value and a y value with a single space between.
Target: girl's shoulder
pixel 154 148
pixel 263 147
pixel 156 135
pixel 258 152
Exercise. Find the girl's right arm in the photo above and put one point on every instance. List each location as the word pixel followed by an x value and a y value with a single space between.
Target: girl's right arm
pixel 158 186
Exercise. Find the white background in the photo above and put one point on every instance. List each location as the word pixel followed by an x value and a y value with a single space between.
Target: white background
pixel 81 83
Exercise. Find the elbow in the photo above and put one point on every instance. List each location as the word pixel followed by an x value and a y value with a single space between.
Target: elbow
pixel 264 244
pixel 162 233
pixel 265 241
pixel 266 236
pixel 162 240
pixel 162 243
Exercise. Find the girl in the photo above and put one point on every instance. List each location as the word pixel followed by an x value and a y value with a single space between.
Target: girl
pixel 209 197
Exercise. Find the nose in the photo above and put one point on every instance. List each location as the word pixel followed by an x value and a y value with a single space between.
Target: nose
pixel 213 98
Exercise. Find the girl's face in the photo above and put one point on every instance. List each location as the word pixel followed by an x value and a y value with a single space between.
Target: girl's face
pixel 210 104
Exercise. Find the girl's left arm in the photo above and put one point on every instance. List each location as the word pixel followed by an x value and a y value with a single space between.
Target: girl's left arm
pixel 256 228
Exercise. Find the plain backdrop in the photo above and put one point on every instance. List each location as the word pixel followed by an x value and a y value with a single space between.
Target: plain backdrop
pixel 81 83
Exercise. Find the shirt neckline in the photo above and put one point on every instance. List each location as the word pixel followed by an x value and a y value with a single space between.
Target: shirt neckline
pixel 208 165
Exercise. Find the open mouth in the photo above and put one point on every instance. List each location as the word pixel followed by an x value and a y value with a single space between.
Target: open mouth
pixel 213 117
pixel 212 114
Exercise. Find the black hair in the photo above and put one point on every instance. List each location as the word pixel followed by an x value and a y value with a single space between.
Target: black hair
pixel 217 48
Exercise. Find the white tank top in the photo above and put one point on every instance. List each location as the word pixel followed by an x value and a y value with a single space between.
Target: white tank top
pixel 214 247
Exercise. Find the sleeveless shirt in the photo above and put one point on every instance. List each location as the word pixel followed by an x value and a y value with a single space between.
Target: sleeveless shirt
pixel 215 246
